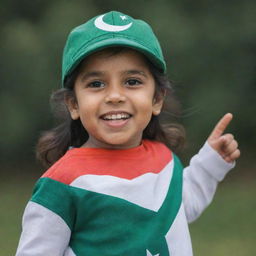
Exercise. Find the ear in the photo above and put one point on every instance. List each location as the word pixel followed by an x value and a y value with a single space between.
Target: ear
pixel 72 106
pixel 158 102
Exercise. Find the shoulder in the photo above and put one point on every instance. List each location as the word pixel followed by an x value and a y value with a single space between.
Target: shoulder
pixel 158 153
pixel 156 147
pixel 162 152
pixel 159 150
pixel 65 169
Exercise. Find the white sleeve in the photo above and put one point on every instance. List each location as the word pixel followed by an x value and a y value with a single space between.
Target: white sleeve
pixel 43 232
pixel 200 180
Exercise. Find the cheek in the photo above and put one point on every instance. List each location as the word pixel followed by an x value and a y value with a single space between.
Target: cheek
pixel 145 110
pixel 86 108
pixel 145 102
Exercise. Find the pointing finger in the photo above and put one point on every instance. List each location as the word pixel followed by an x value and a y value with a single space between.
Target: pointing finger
pixel 221 126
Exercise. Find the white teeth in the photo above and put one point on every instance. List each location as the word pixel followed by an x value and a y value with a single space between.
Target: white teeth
pixel 116 116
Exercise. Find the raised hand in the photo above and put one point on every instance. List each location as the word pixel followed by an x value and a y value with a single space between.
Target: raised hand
pixel 224 144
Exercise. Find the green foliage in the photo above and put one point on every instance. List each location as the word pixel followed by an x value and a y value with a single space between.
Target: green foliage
pixel 210 48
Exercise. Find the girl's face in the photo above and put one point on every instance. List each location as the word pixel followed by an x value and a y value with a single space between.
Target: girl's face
pixel 114 99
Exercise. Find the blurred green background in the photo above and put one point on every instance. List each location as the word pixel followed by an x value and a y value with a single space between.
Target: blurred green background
pixel 210 49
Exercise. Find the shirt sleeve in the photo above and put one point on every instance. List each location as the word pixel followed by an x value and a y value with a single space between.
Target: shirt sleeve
pixel 47 220
pixel 200 180
pixel 43 232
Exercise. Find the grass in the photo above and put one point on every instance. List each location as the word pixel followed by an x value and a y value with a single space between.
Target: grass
pixel 227 227
pixel 14 194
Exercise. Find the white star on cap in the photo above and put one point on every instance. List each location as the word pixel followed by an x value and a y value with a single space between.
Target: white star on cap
pixel 123 17
pixel 149 253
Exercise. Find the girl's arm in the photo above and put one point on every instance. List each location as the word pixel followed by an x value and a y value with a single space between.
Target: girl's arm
pixel 44 232
pixel 48 220
pixel 208 168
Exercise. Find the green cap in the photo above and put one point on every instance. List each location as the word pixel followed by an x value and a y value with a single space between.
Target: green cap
pixel 108 30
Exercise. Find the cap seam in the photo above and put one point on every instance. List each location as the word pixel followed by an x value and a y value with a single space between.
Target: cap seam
pixel 113 21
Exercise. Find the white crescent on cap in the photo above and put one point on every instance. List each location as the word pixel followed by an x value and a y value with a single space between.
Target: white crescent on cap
pixel 99 23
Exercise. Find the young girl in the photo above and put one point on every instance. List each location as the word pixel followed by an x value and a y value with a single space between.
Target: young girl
pixel 114 186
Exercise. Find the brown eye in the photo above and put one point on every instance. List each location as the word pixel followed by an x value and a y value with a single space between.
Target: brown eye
pixel 96 84
pixel 133 82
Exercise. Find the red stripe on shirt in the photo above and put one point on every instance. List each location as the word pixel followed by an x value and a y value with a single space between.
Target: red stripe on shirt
pixel 150 156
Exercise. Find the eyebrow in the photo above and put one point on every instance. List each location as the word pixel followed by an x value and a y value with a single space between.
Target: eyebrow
pixel 135 72
pixel 91 74
pixel 88 75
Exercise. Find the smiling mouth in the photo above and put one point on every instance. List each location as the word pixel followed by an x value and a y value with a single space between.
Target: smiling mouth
pixel 113 117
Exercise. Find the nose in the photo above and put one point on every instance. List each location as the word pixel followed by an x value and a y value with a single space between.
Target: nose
pixel 115 94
